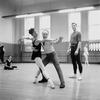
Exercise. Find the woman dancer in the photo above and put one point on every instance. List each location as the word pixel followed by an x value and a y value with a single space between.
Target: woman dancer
pixel 86 54
pixel 36 56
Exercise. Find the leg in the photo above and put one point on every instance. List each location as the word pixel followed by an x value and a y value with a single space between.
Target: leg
pixel 14 66
pixel 74 63
pixel 8 68
pixel 5 68
pixel 45 62
pixel 87 62
pixel 41 66
pixel 85 59
pixel 2 58
pixel 55 62
pixel 80 65
pixel 43 77
pixel 36 77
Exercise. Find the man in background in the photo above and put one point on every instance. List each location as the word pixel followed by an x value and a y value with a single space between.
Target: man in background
pixel 74 50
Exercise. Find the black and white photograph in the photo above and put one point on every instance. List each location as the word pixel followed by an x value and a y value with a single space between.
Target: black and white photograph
pixel 49 49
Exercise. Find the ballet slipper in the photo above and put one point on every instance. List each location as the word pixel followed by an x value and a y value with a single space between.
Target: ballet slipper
pixel 51 84
pixel 35 81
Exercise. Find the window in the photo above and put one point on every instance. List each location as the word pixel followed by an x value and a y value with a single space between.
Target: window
pixel 74 17
pixel 94 25
pixel 29 23
pixel 44 24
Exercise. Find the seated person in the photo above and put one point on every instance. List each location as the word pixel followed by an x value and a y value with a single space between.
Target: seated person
pixel 8 63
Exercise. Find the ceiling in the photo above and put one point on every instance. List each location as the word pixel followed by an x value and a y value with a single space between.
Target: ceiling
pixel 32 6
pixel 22 3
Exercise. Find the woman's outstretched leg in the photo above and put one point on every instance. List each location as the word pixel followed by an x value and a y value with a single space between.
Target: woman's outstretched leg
pixel 41 66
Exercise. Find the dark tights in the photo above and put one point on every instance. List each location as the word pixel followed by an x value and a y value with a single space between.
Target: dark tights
pixel 52 57
pixel 76 60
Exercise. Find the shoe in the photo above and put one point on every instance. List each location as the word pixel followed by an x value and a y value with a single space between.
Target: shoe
pixel 62 85
pixel 51 84
pixel 52 87
pixel 80 78
pixel 43 81
pixel 35 81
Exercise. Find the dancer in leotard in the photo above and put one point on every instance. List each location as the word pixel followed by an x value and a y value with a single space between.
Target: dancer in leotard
pixel 8 64
pixel 36 56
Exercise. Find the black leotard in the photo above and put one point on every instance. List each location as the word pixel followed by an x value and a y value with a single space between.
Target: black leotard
pixel 36 53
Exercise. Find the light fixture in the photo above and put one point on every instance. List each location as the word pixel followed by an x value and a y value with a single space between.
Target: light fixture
pixel 21 16
pixel 51 11
pixel 29 15
pixel 84 8
pixel 66 10
pixel 76 9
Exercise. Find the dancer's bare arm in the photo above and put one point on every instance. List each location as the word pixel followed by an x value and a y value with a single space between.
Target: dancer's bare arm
pixel 32 39
pixel 28 38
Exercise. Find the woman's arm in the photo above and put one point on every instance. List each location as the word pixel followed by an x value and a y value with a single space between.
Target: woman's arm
pixel 28 38
pixel 6 64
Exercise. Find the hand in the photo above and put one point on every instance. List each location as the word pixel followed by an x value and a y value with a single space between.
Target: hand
pixel 68 52
pixel 76 52
pixel 21 40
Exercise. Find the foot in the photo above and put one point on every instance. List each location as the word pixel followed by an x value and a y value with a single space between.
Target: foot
pixel 51 84
pixel 80 78
pixel 14 66
pixel 35 81
pixel 52 87
pixel 74 76
pixel 43 81
pixel 62 85
pixel 88 65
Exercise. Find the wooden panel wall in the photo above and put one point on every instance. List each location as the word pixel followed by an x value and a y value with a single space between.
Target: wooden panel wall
pixel 14 50
pixel 20 55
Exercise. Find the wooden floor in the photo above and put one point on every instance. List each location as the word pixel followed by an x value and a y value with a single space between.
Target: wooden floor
pixel 17 84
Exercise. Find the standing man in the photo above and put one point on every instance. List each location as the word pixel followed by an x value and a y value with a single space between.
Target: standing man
pixel 74 50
